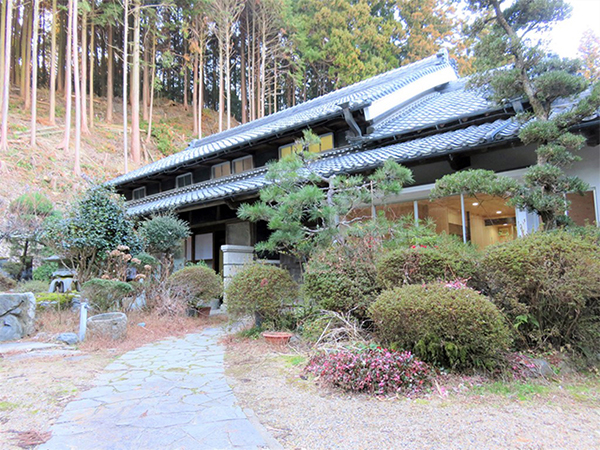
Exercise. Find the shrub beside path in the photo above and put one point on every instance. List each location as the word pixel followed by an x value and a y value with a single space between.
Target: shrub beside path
pixel 168 395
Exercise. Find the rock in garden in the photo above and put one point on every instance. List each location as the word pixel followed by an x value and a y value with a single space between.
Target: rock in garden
pixel 68 338
pixel 543 368
pixel 17 315
pixel 112 325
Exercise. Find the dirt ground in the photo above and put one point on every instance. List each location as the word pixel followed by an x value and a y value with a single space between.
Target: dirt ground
pixel 36 385
pixel 457 413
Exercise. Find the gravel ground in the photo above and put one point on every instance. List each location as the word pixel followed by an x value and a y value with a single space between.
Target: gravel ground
pixel 302 415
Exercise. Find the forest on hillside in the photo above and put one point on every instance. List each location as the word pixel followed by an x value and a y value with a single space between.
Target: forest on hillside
pixel 242 58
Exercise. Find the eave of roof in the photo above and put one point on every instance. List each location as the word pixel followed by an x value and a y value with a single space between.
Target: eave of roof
pixel 353 160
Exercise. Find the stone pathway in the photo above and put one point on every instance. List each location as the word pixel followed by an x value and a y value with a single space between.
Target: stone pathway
pixel 168 395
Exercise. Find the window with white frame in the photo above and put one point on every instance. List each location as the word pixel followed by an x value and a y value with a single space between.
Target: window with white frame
pixel 139 193
pixel 183 180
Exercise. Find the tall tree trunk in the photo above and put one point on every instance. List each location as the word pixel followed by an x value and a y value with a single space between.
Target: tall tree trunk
pixel 195 95
pixel 53 65
pixel 125 51
pixel 3 27
pixel 228 75
pixel 109 76
pixel 201 86
pixel 185 80
pixel 153 68
pixel 34 69
pixel 146 79
pixel 62 47
pixel 92 66
pixel 275 85
pixel 68 79
pixel 23 77
pixel 243 72
pixel 221 90
pixel 252 74
pixel 78 100
pixel 135 87
pixel 84 53
pixel 27 61
pixel 6 76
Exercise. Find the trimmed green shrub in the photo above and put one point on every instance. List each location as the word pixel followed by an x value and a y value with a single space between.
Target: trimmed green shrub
pixel 162 235
pixel 55 300
pixel 342 277
pixel 34 286
pixel 44 271
pixel 6 283
pixel 454 328
pixel 262 290
pixel 548 285
pixel 105 295
pixel 448 260
pixel 197 285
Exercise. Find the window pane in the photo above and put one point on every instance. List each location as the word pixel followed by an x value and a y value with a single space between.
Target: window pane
pixel 139 193
pixel 184 180
pixel 285 151
pixel 326 142
pixel 582 209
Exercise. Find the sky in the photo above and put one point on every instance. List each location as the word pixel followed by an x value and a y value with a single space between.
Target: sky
pixel 565 36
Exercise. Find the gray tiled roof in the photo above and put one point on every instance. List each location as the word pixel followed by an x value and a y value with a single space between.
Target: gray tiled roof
pixel 357 95
pixel 353 161
pixel 433 109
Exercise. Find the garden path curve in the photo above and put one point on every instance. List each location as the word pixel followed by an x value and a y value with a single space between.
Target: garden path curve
pixel 172 394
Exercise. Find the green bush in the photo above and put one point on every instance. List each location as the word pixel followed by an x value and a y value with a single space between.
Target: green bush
pixel 13 269
pixel 197 285
pixel 454 328
pixel 262 290
pixel 105 295
pixel 144 259
pixel 6 283
pixel 34 286
pixel 162 237
pixel 59 300
pixel 342 277
pixel 44 271
pixel 448 260
pixel 548 285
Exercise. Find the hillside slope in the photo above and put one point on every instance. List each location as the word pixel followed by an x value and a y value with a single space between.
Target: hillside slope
pixel 48 169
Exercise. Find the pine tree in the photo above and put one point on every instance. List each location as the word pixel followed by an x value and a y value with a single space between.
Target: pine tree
pixel 540 79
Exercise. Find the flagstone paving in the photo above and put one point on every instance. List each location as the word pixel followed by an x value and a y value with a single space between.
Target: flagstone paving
pixel 168 395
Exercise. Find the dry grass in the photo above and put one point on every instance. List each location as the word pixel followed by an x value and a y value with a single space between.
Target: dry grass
pixel 142 328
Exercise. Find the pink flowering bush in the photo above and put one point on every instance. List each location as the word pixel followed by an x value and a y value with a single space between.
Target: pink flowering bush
pixel 373 370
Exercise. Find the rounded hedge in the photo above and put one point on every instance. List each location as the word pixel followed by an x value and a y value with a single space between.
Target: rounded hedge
pixel 262 290
pixel 342 278
pixel 548 285
pixel 425 264
pixel 197 285
pixel 454 328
